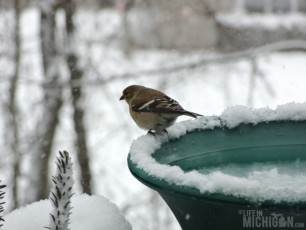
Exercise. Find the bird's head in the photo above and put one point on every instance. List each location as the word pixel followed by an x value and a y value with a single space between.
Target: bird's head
pixel 130 92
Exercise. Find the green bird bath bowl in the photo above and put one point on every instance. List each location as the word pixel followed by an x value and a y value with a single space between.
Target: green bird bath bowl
pixel 277 143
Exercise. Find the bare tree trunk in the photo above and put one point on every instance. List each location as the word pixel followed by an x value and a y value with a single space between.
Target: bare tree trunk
pixel 76 75
pixel 12 131
pixel 46 127
pixel 127 41
pixel 13 109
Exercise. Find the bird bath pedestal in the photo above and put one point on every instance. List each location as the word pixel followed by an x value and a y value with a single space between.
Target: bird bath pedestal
pixel 276 142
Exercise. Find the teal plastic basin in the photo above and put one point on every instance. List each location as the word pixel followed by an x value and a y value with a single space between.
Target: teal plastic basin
pixel 282 141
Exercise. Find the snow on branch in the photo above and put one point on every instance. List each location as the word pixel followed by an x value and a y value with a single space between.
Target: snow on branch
pixel 288 45
pixel 61 193
pixel 1 202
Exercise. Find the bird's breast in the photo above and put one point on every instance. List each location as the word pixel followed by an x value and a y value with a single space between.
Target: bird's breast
pixel 155 121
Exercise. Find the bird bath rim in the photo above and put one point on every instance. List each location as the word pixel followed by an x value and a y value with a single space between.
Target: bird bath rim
pixel 276 118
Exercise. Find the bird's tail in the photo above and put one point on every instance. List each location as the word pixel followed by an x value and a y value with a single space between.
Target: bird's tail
pixel 191 114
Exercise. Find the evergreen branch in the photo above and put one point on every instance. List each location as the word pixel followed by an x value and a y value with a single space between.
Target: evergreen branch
pixel 61 193
pixel 1 203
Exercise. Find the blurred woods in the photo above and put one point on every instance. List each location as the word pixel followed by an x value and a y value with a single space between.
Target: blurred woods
pixel 45 79
pixel 53 57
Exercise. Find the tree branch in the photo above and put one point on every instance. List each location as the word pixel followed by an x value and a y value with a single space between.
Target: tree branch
pixel 289 45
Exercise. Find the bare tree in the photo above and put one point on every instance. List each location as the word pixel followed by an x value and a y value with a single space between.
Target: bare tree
pixel 52 102
pixel 12 130
pixel 127 41
pixel 13 109
pixel 76 75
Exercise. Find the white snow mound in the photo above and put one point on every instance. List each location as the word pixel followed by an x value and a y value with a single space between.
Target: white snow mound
pixel 88 212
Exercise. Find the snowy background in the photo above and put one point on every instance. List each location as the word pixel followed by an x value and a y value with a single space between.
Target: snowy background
pixel 204 81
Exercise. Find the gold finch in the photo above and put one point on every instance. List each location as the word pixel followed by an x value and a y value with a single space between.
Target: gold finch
pixel 153 110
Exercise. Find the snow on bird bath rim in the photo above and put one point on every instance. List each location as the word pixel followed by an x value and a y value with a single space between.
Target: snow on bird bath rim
pixel 248 187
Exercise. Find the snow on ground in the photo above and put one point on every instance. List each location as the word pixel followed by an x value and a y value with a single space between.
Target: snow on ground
pixel 263 183
pixel 270 21
pixel 89 212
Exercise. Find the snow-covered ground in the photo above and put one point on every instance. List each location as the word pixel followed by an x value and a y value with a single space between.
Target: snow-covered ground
pixel 270 21
pixel 208 90
pixel 89 212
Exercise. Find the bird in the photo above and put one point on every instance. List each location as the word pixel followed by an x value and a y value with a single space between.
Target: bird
pixel 153 110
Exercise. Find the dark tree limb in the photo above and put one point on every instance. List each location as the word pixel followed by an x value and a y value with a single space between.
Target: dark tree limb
pixel 52 102
pixel 289 45
pixel 11 111
pixel 76 75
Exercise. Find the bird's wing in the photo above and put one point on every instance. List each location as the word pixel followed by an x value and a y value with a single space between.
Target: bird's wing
pixel 163 104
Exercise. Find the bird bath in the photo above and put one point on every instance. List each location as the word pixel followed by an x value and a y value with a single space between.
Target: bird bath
pixel 220 177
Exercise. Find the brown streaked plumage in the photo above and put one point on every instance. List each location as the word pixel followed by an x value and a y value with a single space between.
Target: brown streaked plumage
pixel 152 109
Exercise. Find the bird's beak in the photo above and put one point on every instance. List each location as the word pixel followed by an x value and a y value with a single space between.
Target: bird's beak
pixel 121 98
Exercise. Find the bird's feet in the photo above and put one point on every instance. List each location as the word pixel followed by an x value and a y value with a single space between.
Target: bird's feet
pixel 151 132
pixel 162 132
